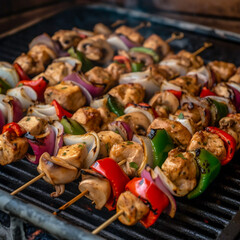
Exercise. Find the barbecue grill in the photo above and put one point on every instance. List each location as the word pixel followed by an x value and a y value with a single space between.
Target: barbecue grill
pixel 213 215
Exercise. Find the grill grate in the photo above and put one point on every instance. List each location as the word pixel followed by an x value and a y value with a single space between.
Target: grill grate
pixel 207 217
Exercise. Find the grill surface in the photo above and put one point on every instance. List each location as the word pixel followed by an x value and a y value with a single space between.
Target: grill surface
pixel 214 215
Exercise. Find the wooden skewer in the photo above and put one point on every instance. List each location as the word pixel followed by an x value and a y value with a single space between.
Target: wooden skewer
pixel 205 46
pixel 118 22
pixel 28 184
pixel 141 25
pixel 174 36
pixel 122 162
pixel 108 222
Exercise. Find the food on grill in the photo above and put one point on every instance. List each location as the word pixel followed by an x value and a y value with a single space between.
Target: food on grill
pixel 177 142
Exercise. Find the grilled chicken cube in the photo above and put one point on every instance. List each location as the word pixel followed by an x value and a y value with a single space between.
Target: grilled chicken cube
pixel 128 93
pixel 180 134
pixel 68 95
pixel 209 141
pixel 106 116
pixel 115 70
pixel 222 70
pixel 107 140
pixel 28 65
pixel 33 125
pixel 89 118
pixel 99 188
pixel 222 90
pixel 100 28
pixel 66 38
pixel 236 77
pixel 137 121
pixel 130 33
pixel 12 148
pixel 133 207
pixel 130 151
pixel 181 169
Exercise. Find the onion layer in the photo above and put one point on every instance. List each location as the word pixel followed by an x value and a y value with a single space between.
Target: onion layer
pixel 122 128
pixel 9 74
pixel 47 112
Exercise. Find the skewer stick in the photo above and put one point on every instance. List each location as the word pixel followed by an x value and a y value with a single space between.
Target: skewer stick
pixel 28 184
pixel 118 22
pixel 205 46
pixel 122 162
pixel 108 222
pixel 174 36
pixel 142 25
pixel 66 205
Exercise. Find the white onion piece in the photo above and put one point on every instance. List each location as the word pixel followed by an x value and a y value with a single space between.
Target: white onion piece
pixel 143 78
pixel 92 142
pixel 117 43
pixel 132 109
pixel 185 122
pixel 26 95
pixel 175 65
pixel 203 75
pixel 168 183
pixel 47 112
pixel 169 86
pixel 9 74
pixel 3 107
pixel 59 131
pixel 75 63
pixel 97 103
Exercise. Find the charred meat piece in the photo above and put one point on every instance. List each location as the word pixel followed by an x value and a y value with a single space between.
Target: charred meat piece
pixel 106 116
pixel 68 95
pixel 115 70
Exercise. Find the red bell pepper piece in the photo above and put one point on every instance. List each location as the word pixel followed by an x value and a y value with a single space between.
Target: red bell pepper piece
pixel 60 111
pixel 124 60
pixel 206 92
pixel 21 73
pixel 116 176
pixel 177 94
pixel 229 141
pixel 39 86
pixel 14 128
pixel 151 195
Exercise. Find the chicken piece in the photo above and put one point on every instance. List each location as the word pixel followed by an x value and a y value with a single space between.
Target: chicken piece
pixel 107 140
pixel 115 70
pixel 181 169
pixel 66 38
pixel 130 151
pixel 222 70
pixel 139 57
pixel 89 118
pixel 209 141
pixel 67 94
pixel 133 207
pixel 188 83
pixel 222 90
pixel 156 43
pixel 137 121
pixel 180 134
pixel 167 99
pixel 100 28
pixel 130 33
pixel 33 125
pixel 64 168
pixel 236 77
pixel 100 76
pixel 231 125
pixel 12 148
pixel 128 93
pixel 99 188
pixel 106 116
pixel 28 65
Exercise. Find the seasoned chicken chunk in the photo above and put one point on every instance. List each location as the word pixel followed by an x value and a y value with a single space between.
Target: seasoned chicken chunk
pixel 12 148
pixel 66 38
pixel 128 93
pixel 106 116
pixel 181 169
pixel 222 90
pixel 137 121
pixel 115 70
pixel 68 95
pixel 236 77
pixel 99 188
pixel 28 65
pixel 134 208
pixel 131 152
pixel 130 33
pixel 33 125
pixel 107 140
pixel 222 70
pixel 209 141
pixel 89 118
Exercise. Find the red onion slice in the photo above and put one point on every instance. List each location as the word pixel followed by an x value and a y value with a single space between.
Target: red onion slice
pixel 40 144
pixel 59 131
pixel 117 43
pixel 236 89
pixel 122 128
pixel 128 42
pixel 2 120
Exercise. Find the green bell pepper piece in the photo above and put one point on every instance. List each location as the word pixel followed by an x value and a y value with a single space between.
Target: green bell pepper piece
pixel 209 168
pixel 136 67
pixel 4 86
pixel 86 63
pixel 72 127
pixel 162 143
pixel 221 110
pixel 148 51
pixel 115 106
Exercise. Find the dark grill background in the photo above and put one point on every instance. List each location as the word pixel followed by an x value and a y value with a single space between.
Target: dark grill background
pixel 207 217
